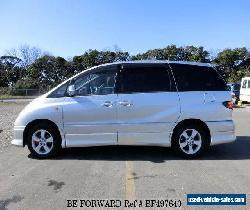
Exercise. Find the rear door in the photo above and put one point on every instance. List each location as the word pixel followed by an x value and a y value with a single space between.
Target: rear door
pixel 202 92
pixel 147 106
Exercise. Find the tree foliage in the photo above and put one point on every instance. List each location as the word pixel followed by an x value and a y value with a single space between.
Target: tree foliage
pixel 174 53
pixel 48 71
pixel 26 54
pixel 94 57
pixel 230 60
pixel 29 67
pixel 10 72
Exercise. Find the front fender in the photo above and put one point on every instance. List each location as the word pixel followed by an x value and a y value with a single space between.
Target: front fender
pixel 42 109
pixel 50 109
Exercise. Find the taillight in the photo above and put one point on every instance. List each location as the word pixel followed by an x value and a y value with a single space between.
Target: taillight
pixel 228 104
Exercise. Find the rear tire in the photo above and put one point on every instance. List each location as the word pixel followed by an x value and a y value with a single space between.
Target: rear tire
pixel 190 141
pixel 44 141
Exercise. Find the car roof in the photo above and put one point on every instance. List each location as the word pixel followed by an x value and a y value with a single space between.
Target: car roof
pixel 147 62
pixel 233 83
pixel 161 62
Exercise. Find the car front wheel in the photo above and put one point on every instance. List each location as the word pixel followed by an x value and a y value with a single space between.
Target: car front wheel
pixel 43 141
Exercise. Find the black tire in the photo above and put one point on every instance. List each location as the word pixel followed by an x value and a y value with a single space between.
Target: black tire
pixel 178 138
pixel 55 146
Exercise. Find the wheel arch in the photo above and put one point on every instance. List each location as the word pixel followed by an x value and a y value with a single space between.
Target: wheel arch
pixel 38 121
pixel 188 122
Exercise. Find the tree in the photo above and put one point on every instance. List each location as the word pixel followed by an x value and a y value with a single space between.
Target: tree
pixel 16 62
pixel 26 54
pixel 242 70
pixel 9 70
pixel 94 57
pixel 48 71
pixel 3 76
pixel 29 67
pixel 173 53
pixel 27 83
pixel 230 60
pixel 197 54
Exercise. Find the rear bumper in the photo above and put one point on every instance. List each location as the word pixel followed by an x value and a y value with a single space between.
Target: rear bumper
pixel 222 132
pixel 18 136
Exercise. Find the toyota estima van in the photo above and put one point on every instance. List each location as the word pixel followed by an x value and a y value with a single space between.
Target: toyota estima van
pixel 182 105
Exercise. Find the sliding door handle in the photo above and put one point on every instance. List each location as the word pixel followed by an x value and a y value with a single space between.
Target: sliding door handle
pixel 125 103
pixel 107 104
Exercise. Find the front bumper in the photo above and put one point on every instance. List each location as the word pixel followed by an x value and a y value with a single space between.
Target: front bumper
pixel 222 132
pixel 18 136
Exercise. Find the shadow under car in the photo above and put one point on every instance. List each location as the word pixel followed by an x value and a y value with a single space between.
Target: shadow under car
pixel 238 150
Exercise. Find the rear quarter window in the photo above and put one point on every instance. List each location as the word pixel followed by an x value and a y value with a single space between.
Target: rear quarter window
pixel 197 78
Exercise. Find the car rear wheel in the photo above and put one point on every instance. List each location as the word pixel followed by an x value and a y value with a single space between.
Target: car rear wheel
pixel 44 141
pixel 190 141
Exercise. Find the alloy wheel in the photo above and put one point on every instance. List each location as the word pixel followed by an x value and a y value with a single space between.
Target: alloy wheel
pixel 190 141
pixel 42 142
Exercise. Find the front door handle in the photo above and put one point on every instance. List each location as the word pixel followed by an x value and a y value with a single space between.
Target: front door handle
pixel 125 103
pixel 107 104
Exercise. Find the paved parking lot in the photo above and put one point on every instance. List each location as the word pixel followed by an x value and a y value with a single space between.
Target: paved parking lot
pixel 119 172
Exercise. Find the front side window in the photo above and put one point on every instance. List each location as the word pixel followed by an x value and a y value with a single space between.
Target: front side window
pixel 59 92
pixel 244 84
pixel 96 83
pixel 144 79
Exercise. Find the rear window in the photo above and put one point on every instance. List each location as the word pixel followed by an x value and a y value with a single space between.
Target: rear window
pixel 197 78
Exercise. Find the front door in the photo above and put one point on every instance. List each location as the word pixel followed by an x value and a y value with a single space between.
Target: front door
pixel 148 105
pixel 90 116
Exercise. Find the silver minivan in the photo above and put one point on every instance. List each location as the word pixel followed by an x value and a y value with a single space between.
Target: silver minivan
pixel 182 105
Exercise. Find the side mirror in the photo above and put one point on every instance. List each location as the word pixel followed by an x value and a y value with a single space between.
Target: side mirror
pixel 71 91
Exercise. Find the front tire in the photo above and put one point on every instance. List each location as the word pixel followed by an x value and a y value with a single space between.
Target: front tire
pixel 44 141
pixel 190 141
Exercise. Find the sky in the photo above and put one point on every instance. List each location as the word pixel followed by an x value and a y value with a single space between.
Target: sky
pixel 70 27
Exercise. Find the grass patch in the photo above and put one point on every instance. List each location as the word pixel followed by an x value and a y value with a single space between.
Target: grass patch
pixel 16 97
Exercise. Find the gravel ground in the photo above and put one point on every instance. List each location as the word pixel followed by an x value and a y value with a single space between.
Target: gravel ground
pixel 8 114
